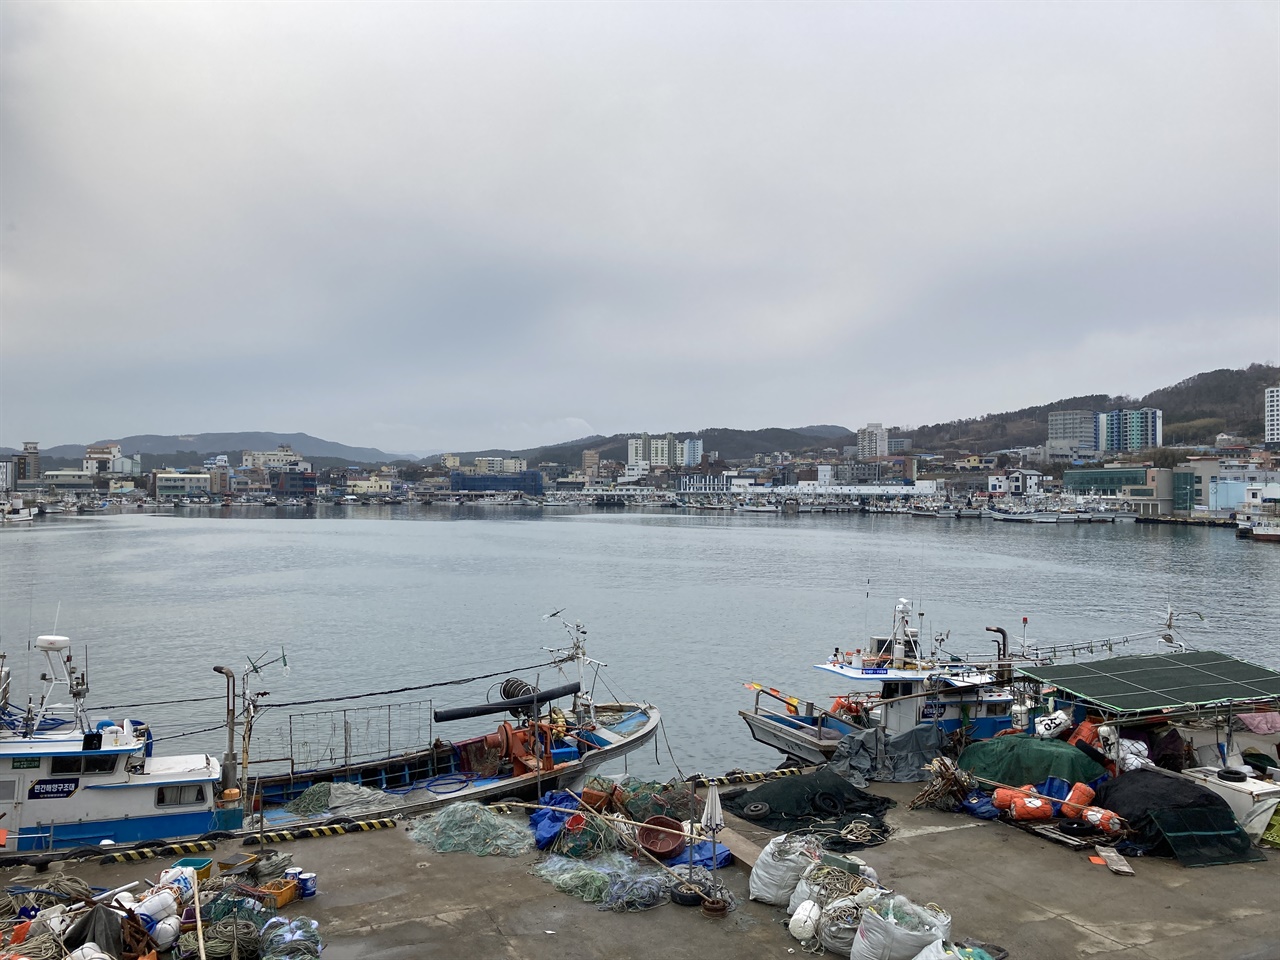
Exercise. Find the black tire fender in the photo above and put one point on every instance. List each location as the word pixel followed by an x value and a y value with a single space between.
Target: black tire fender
pixel 756 811
pixel 827 803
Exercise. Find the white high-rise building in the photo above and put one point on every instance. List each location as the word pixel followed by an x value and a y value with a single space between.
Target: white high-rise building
pixel 873 441
pixel 656 451
pixel 689 452
pixel 1271 415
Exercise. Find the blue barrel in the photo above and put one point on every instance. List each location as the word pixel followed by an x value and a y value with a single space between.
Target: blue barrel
pixel 308 884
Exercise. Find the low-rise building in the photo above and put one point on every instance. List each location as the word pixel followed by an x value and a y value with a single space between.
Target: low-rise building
pixel 68 481
pixel 528 482
pixel 173 483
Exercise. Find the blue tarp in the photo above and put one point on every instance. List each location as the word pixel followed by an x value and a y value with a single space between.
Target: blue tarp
pixel 547 824
pixel 702 856
pixel 979 804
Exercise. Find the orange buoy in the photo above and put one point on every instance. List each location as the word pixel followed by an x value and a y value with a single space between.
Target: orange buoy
pixel 1031 808
pixel 1080 796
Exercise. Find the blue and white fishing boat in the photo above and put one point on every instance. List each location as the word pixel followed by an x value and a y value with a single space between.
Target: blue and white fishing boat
pixel 69 781
pixel 892 684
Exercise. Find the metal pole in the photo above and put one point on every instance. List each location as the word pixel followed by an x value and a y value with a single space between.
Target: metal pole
pixel 229 760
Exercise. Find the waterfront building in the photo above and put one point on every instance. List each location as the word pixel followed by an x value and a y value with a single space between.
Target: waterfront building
pixel 1129 430
pixel 68 481
pixel 1271 418
pixel 292 481
pixel 896 445
pixel 488 465
pixel 698 484
pixel 175 483
pixel 591 462
pixel 1018 483
pixel 110 458
pixel 272 459
pixel 1216 484
pixel 528 482
pixel 873 441
pixel 1146 491
pixel 6 476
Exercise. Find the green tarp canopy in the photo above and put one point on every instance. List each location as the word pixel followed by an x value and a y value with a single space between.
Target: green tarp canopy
pixel 1019 759
pixel 1162 683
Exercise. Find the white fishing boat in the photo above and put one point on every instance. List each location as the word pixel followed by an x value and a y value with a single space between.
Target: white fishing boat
pixel 69 781
pixel 759 506
pixel 15 512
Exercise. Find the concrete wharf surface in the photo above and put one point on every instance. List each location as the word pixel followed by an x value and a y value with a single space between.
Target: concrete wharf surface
pixel 384 897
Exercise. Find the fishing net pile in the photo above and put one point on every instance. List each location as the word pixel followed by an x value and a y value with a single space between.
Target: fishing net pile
pixel 296 939
pixel 473 828
pixel 613 881
pixel 821 801
pixel 313 800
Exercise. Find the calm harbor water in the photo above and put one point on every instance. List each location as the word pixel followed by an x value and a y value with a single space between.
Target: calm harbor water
pixel 683 608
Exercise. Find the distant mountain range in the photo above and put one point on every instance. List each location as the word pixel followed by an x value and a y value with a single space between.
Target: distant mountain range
pixel 206 443
pixel 1195 412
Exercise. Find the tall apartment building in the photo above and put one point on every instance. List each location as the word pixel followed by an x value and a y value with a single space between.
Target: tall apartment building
pixel 26 465
pixel 1073 433
pixel 664 451
pixel 1128 430
pixel 487 465
pixel 1271 415
pixel 873 441
pixel 689 452
pixel 591 462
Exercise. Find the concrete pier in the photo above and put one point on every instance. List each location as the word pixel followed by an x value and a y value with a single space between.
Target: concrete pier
pixel 384 897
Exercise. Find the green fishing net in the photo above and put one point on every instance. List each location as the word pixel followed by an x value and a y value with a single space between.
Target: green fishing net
pixel 471 827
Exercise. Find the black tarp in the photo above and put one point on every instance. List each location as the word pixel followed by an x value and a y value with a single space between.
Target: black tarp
pixel 822 799
pixel 1174 817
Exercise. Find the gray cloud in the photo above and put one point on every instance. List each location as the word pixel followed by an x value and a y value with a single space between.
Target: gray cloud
pixel 460 225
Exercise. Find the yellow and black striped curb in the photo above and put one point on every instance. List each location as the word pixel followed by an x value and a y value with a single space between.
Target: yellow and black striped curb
pixel 284 836
pixel 150 853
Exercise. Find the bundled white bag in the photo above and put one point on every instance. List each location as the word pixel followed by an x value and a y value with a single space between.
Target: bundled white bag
pixel 838 925
pixel 802 891
pixel 778 870
pixel 894 928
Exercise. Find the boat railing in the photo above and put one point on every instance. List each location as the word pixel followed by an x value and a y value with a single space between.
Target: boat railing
pixel 793 709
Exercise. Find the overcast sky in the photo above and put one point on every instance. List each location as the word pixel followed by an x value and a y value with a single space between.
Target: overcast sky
pixel 425 226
